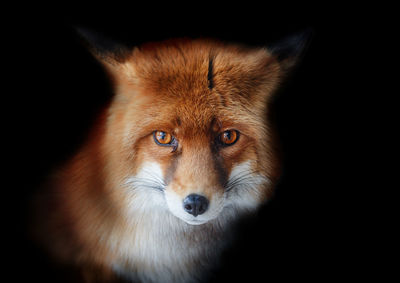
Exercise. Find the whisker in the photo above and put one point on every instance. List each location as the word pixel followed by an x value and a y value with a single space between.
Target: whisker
pixel 144 180
pixel 150 181
pixel 145 184
pixel 240 177
pixel 153 176
pixel 246 180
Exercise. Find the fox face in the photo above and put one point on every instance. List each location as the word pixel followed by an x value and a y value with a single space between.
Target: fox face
pixel 195 126
pixel 184 148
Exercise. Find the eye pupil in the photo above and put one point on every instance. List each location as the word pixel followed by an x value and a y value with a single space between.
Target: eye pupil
pixel 227 135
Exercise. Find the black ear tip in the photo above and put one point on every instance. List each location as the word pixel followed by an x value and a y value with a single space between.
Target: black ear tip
pixel 305 36
pixel 91 37
pixel 307 33
pixel 84 32
pixel 293 46
pixel 102 46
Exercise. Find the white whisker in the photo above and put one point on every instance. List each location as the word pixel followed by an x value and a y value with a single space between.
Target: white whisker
pixel 242 190
pixel 148 177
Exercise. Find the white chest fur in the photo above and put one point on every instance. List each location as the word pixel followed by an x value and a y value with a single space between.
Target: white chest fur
pixel 162 248
pixel 153 245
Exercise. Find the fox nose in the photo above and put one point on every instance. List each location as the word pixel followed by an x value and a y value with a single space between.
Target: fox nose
pixel 195 204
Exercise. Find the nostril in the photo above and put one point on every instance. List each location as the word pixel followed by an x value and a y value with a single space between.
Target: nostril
pixel 202 209
pixel 195 204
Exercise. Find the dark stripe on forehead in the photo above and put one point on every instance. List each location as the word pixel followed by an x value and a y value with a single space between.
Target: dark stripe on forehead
pixel 210 72
pixel 211 79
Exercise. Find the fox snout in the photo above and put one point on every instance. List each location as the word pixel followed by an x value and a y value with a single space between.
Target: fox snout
pixel 195 192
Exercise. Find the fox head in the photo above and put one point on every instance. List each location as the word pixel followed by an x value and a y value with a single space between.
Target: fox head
pixel 187 132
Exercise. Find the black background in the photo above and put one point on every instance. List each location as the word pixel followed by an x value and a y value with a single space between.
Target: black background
pixel 55 89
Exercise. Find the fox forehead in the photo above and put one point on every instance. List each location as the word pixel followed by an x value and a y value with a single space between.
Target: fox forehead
pixel 192 69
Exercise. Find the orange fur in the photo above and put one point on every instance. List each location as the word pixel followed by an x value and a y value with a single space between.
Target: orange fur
pixel 162 86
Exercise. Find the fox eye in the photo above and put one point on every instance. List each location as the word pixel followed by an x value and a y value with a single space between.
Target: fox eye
pixel 162 138
pixel 165 139
pixel 229 137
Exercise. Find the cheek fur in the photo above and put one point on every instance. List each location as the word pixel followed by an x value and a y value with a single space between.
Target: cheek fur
pixel 149 175
pixel 245 187
pixel 144 191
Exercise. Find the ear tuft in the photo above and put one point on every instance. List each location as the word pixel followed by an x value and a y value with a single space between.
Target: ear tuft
pixel 103 48
pixel 289 50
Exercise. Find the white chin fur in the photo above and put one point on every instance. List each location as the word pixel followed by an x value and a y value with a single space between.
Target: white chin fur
pixel 192 222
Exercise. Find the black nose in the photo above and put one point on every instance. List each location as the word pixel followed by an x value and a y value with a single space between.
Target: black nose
pixel 195 204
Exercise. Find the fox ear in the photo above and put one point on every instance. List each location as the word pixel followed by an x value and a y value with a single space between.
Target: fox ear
pixel 106 50
pixel 111 54
pixel 291 49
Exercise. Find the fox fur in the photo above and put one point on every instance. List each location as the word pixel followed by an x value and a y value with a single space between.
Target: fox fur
pixel 114 209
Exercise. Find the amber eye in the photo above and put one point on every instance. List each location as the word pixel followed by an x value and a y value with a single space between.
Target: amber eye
pixel 163 138
pixel 229 137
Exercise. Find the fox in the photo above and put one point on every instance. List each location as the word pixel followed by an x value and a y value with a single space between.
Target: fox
pixel 184 149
